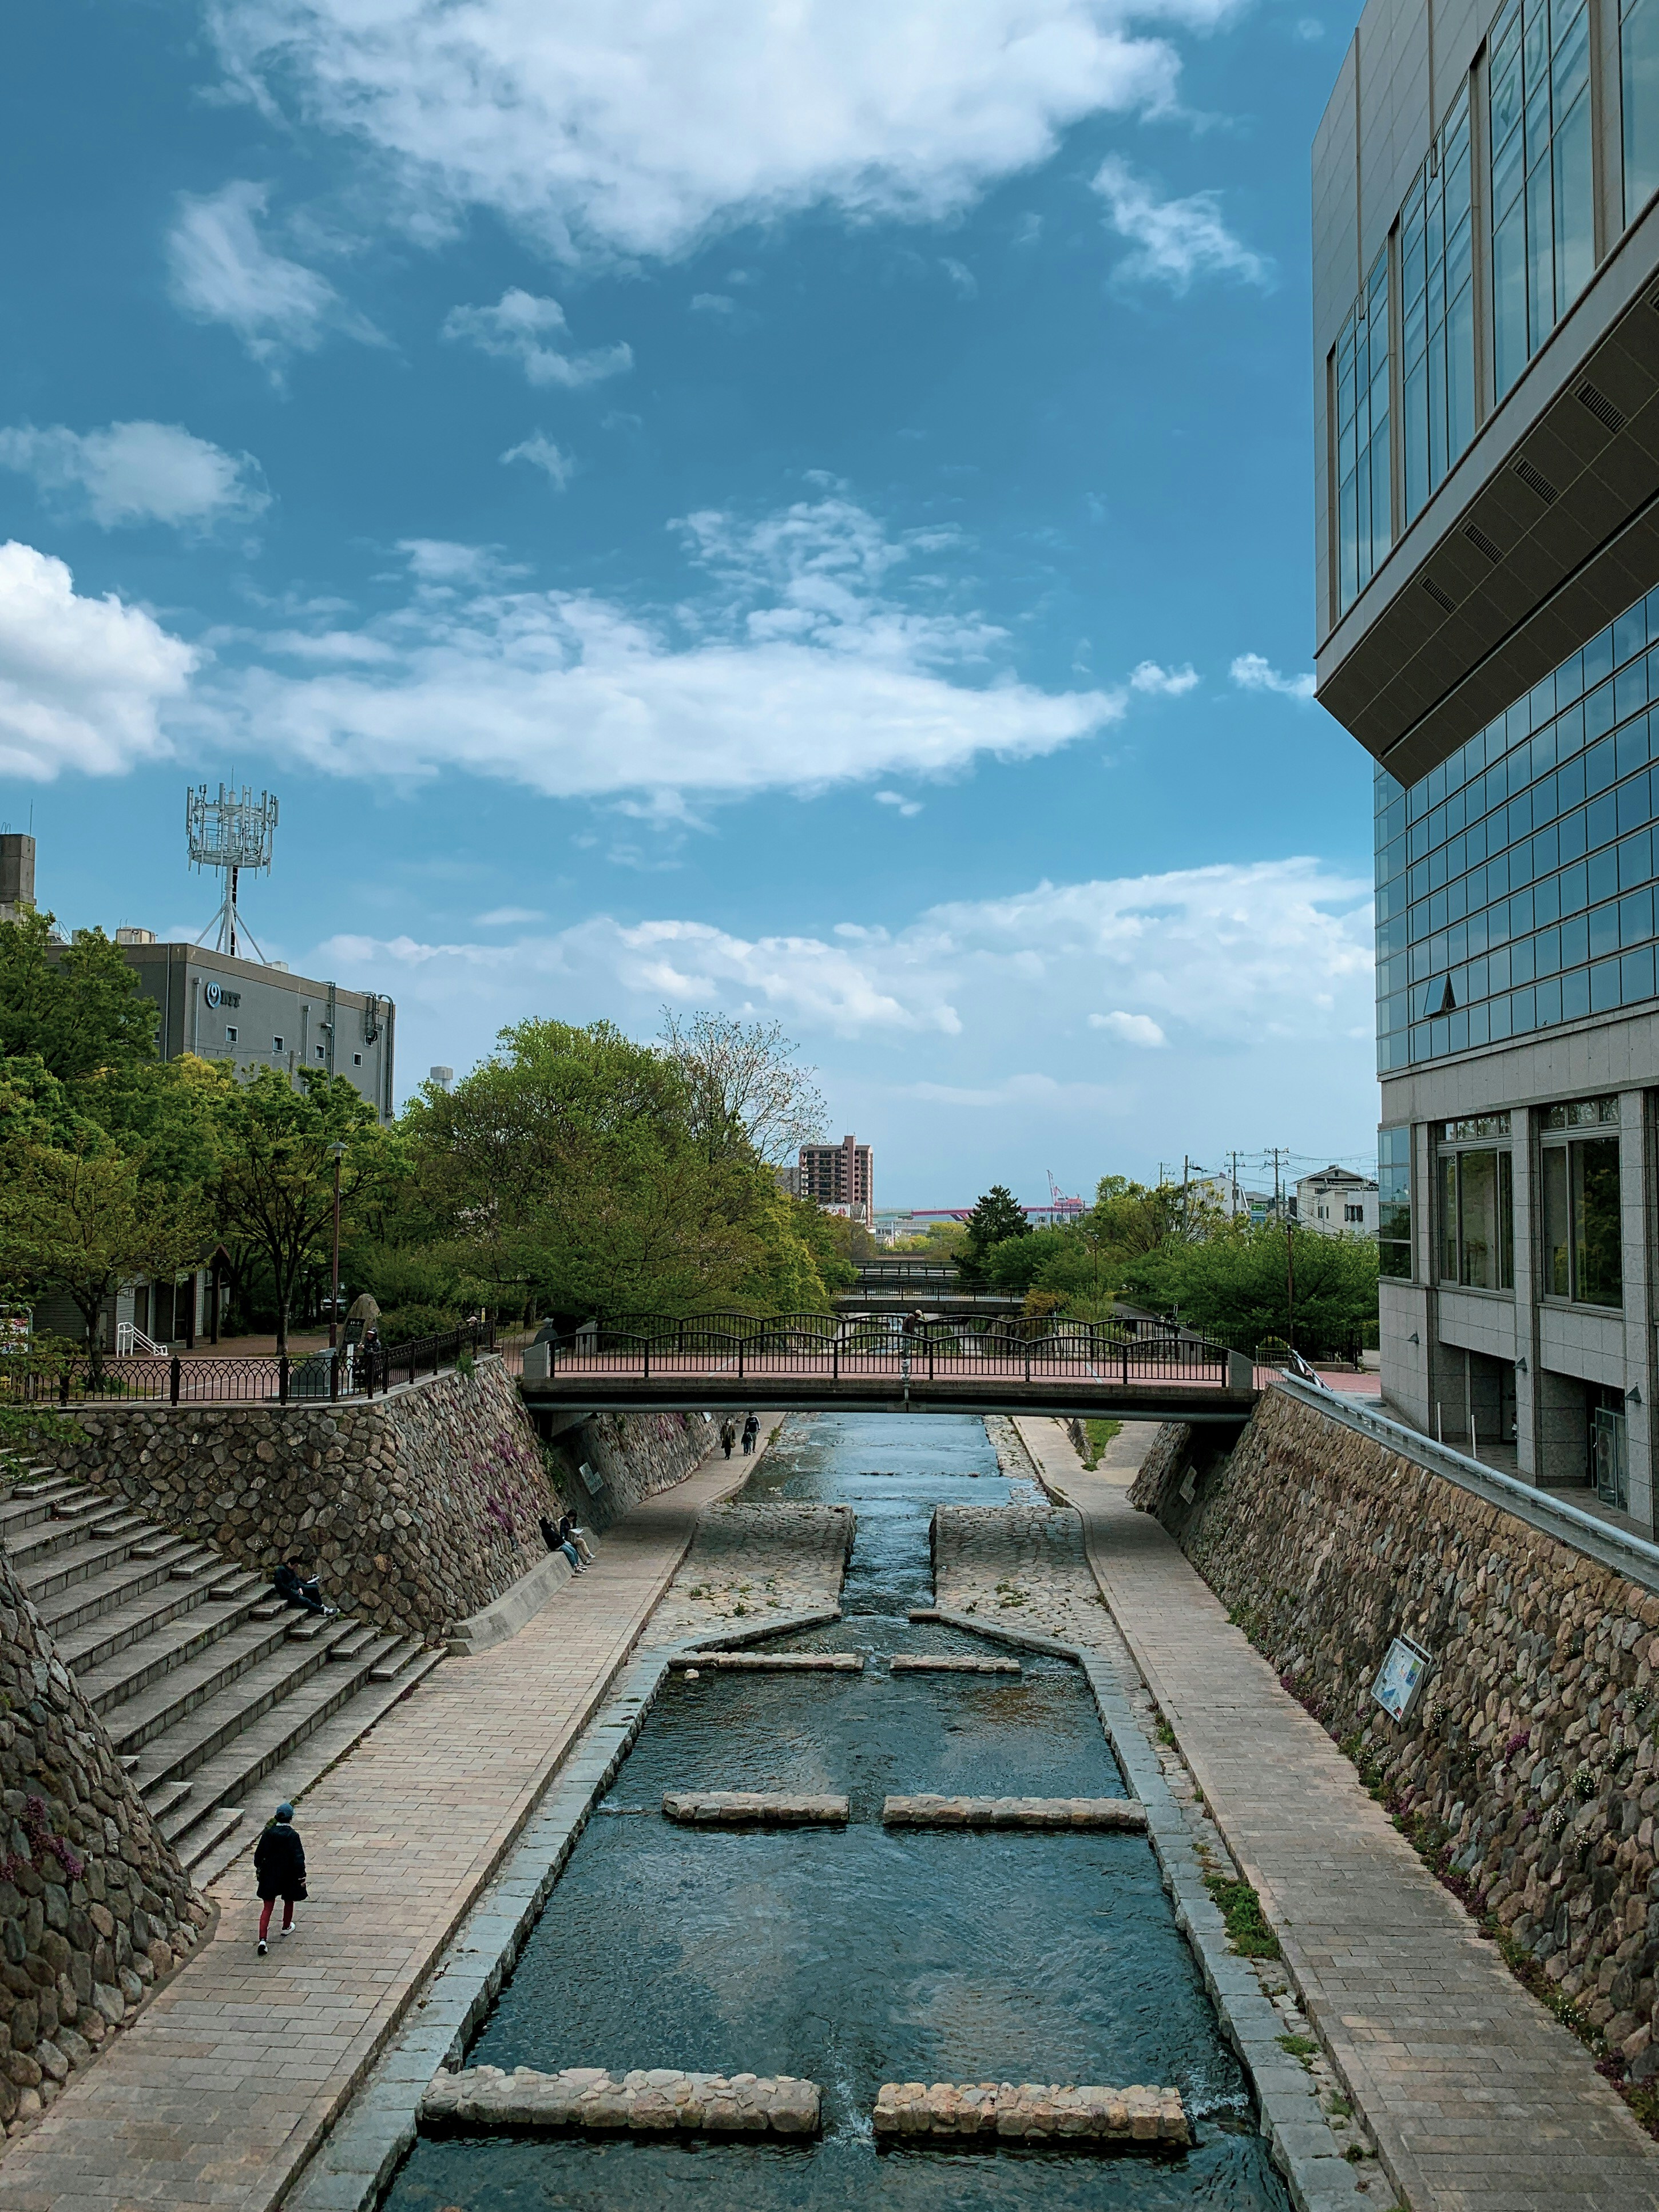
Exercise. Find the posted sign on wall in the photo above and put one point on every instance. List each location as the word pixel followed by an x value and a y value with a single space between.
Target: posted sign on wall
pixel 1400 1678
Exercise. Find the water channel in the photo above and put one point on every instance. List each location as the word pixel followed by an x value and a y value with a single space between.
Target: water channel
pixel 857 1956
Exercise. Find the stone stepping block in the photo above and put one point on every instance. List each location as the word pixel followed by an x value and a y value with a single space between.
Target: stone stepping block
pixel 908 1663
pixel 752 1808
pixel 928 1811
pixel 772 1663
pixel 1136 2119
pixel 653 2100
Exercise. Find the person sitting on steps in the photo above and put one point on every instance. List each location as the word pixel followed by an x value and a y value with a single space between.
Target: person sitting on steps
pixel 279 1870
pixel 303 1590
pixel 554 1536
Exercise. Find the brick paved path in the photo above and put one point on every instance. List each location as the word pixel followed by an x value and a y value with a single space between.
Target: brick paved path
pixel 1478 2101
pixel 220 2091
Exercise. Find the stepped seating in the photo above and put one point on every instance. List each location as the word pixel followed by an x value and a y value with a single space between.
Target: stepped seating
pixel 210 1686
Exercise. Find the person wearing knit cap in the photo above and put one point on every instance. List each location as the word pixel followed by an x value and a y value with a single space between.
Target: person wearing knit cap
pixel 279 1868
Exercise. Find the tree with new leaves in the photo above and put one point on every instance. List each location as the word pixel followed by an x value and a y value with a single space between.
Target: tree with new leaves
pixel 76 1008
pixel 85 1222
pixel 748 1097
pixel 275 1184
pixel 996 1216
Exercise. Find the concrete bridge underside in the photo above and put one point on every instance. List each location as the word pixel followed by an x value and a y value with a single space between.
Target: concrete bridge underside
pixel 1062 1396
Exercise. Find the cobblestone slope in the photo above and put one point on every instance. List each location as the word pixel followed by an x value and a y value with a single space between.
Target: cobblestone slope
pixel 750 1561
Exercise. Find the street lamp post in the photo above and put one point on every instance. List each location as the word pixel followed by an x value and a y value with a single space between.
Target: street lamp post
pixel 337 1153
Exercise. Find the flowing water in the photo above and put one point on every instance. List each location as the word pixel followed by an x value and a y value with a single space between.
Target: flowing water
pixel 857 1956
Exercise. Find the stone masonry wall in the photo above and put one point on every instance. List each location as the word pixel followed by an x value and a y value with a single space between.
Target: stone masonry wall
pixel 1530 1766
pixel 417 1509
pixel 94 1905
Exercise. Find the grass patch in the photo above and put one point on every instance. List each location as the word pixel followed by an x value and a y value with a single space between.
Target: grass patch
pixel 1098 1435
pixel 1300 2046
pixel 1241 1908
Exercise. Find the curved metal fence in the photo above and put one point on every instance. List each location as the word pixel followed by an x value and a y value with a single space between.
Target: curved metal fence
pixel 30 1378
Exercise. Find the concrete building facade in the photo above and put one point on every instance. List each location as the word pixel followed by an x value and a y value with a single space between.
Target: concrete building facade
pixel 841 1178
pixel 1486 393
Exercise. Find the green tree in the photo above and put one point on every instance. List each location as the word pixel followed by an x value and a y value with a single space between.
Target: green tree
pixel 76 1008
pixel 574 1167
pixel 86 1223
pixel 996 1216
pixel 748 1098
pixel 1061 1260
pixel 1234 1286
pixel 274 1189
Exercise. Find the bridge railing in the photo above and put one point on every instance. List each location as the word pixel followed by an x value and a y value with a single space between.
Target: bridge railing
pixel 1077 1350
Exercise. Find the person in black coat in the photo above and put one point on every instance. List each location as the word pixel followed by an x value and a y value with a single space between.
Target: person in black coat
pixel 279 1867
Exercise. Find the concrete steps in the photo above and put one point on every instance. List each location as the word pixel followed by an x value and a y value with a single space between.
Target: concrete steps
pixel 210 1686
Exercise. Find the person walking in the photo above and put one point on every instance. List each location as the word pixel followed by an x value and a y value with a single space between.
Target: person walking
pixel 728 1435
pixel 279 1869
pixel 750 1431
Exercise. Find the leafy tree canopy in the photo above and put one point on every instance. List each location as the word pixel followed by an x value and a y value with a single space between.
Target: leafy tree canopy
pixel 1234 1286
pixel 996 1216
pixel 77 1008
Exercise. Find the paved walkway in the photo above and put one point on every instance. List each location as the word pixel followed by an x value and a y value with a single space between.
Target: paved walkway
pixel 222 2089
pixel 1478 2100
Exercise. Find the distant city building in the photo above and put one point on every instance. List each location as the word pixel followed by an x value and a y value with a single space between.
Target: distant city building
pixel 16 875
pixel 841 1178
pixel 443 1077
pixel 1336 1203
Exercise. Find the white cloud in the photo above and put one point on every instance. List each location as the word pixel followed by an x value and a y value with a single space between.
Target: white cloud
pixel 509 917
pixel 518 328
pixel 1162 683
pixel 82 681
pixel 962 278
pixel 897 799
pixel 1175 240
pixel 1252 673
pixel 222 272
pixel 957 1039
pixel 712 303
pixel 1131 1028
pixel 609 129
pixel 808 659
pixel 541 452
pixel 136 472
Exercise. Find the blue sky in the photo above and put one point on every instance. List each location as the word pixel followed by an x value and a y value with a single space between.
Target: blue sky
pixel 799 511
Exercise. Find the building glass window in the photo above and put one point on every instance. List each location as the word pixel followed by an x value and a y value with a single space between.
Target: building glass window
pixel 1477 1218
pixel 1365 513
pixel 276 1044
pixel 1393 1185
pixel 230 1034
pixel 1543 219
pixel 1437 313
pixel 1638 69
pixel 1583 1229
pixel 1516 884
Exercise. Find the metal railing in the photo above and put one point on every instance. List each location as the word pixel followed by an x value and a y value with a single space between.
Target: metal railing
pixel 1079 1350
pixel 46 1379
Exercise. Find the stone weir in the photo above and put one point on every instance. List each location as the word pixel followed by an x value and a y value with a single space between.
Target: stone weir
pixel 94 1908
pixel 418 1509
pixel 1529 1766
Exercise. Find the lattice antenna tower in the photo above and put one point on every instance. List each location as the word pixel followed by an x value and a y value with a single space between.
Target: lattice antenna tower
pixel 233 833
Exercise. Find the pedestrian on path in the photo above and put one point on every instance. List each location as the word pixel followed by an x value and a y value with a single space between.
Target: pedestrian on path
pixel 750 1431
pixel 728 1435
pixel 279 1868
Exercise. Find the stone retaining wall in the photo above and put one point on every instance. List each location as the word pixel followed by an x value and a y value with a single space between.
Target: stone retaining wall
pixel 1533 1749
pixel 94 1905
pixel 418 1509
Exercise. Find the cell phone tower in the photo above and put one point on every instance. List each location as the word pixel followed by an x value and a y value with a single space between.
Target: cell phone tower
pixel 233 833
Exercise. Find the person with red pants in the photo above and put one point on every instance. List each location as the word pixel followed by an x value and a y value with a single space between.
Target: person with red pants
pixel 279 1867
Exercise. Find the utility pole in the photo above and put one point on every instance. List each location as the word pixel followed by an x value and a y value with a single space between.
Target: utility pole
pixel 1289 1280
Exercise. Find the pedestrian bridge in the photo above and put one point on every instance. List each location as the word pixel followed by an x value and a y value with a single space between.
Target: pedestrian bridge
pixel 810 1363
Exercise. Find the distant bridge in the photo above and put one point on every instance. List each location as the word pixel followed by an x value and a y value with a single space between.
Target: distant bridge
pixel 810 1363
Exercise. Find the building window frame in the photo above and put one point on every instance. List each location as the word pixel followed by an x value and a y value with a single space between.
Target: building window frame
pixel 1396 1252
pixel 1581 1225
pixel 1361 419
pixel 1540 167
pixel 1436 291
pixel 1474 1175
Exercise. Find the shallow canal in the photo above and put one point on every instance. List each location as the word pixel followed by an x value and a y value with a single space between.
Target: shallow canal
pixel 859 1956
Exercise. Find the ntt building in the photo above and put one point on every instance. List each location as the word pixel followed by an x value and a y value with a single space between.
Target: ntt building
pixel 1487 329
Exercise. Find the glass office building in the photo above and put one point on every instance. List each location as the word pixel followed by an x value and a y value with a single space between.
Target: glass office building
pixel 1486 308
